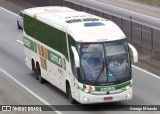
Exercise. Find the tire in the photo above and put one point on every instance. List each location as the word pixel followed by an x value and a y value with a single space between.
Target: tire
pixel 38 75
pixel 33 67
pixel 69 94
pixel 18 25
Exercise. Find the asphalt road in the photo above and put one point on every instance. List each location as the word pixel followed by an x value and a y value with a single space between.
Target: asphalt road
pixel 121 11
pixel 146 87
pixel 12 94
pixel 134 5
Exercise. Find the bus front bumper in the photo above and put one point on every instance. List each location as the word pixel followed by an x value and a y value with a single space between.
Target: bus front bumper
pixel 87 98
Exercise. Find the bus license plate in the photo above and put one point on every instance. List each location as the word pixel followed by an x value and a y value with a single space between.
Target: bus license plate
pixel 108 98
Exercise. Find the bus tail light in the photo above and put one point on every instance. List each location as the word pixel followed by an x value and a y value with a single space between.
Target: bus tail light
pixel 86 99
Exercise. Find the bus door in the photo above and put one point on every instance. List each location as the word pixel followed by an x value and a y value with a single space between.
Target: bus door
pixel 74 81
pixel 73 72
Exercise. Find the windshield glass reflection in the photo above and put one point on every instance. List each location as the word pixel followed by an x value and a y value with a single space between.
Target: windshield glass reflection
pixel 91 57
pixel 104 62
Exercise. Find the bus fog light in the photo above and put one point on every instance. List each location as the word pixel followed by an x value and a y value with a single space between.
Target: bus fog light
pixel 86 91
pixel 86 99
pixel 128 95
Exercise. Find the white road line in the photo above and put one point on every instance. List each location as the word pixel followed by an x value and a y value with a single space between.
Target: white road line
pixel 8 11
pixel 125 9
pixel 147 72
pixel 142 30
pixel 20 41
pixel 27 89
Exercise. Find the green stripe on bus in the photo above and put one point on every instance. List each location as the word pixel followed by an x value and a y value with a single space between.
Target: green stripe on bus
pixel 52 57
pixel 114 87
pixel 84 86
pixel 29 44
pixel 45 64
pixel 35 47
pixel 64 63
pixel 42 50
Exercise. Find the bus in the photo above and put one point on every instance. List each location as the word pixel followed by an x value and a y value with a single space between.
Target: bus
pixel 85 56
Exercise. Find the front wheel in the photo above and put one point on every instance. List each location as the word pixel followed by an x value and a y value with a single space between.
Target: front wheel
pixel 70 94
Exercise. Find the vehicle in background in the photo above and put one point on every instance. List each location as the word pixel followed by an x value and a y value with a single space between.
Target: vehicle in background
pixel 20 20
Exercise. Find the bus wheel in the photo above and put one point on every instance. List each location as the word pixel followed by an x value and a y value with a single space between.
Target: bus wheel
pixel 38 75
pixel 33 66
pixel 70 94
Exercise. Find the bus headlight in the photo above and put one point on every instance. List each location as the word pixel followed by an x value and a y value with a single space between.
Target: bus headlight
pixel 127 88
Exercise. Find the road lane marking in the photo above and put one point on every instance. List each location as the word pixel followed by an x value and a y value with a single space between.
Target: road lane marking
pixel 125 9
pixel 20 41
pixel 142 30
pixel 147 72
pixel 8 11
pixel 30 91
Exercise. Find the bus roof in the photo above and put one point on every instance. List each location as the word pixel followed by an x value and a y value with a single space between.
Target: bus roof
pixel 83 27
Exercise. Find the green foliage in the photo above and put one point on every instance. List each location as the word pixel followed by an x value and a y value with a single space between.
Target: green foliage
pixel 157 2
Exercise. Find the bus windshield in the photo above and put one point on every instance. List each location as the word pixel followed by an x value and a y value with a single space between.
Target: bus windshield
pixel 104 63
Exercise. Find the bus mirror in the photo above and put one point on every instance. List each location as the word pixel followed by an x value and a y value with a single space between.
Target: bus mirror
pixel 135 53
pixel 76 57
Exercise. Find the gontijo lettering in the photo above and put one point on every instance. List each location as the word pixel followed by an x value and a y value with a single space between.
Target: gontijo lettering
pixel 108 89
pixel 27 42
pixel 55 59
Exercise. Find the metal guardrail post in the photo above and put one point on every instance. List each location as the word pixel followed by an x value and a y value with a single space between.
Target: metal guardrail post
pixel 152 38
pixel 130 18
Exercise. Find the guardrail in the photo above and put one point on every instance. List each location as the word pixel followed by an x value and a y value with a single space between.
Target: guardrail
pixel 139 29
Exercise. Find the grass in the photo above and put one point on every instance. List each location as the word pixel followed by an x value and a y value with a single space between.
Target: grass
pixel 157 2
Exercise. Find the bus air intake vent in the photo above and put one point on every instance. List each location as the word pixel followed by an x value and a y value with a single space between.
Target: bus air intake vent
pixel 73 21
pixel 90 19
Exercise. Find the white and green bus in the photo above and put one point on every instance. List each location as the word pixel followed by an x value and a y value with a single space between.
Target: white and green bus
pixel 84 55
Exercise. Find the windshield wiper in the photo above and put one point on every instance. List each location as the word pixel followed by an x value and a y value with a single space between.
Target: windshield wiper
pixel 99 74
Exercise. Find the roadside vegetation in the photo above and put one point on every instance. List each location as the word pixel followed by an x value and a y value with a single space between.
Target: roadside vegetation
pixel 157 2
